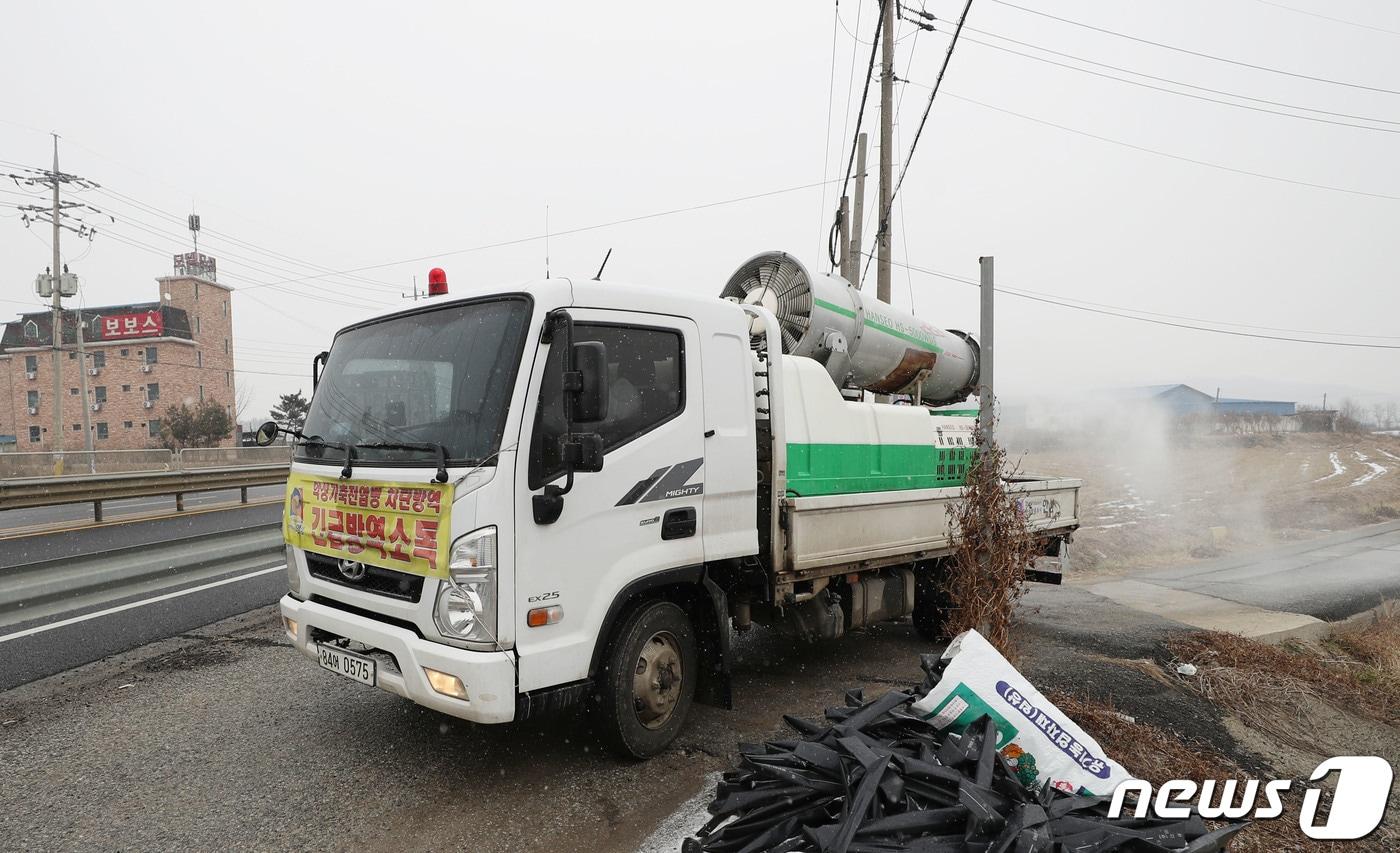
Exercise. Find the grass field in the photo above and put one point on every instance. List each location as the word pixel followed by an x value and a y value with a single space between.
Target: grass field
pixel 1151 499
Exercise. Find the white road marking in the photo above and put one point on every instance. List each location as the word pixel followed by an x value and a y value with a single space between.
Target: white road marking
pixel 1376 470
pixel 1337 467
pixel 39 629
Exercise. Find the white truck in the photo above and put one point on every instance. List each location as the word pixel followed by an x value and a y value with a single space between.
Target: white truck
pixel 519 500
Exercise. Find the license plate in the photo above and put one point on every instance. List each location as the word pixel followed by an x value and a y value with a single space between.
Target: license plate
pixel 348 664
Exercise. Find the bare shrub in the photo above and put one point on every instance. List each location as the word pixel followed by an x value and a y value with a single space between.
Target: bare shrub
pixel 992 548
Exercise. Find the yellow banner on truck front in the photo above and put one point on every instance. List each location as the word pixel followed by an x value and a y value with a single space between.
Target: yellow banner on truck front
pixel 401 526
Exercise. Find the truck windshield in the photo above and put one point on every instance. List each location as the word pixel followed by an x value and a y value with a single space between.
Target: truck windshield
pixel 441 376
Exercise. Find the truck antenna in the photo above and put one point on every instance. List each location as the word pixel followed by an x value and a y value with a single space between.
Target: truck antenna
pixel 546 241
pixel 603 264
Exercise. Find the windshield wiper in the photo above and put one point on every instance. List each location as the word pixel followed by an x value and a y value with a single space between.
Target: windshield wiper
pixel 428 446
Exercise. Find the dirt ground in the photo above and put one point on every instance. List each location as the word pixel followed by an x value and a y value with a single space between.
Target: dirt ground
pixel 1156 499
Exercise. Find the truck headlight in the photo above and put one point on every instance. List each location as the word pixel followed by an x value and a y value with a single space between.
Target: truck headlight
pixel 466 604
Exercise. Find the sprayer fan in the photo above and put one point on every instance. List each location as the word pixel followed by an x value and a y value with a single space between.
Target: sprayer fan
pixel 778 282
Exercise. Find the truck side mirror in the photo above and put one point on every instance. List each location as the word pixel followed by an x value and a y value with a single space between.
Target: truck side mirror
pixel 266 434
pixel 591 378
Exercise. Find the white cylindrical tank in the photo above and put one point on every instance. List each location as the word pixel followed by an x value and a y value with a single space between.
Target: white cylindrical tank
pixel 862 341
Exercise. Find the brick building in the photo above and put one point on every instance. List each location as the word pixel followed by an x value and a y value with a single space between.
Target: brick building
pixel 141 359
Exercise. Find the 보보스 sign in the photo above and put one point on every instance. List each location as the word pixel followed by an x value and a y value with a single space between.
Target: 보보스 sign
pixel 401 526
pixel 145 324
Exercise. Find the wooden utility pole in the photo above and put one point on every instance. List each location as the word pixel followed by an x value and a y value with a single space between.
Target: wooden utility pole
pixel 858 218
pixel 985 397
pixel 882 228
pixel 56 323
pixel 843 238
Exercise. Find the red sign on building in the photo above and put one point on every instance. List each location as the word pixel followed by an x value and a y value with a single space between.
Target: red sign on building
pixel 143 325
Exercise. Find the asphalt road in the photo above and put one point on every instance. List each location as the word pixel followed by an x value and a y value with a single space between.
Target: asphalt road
pixel 226 738
pixel 223 737
pixel 16 519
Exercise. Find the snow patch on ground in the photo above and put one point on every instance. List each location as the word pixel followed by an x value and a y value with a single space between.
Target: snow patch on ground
pixel 683 822
pixel 1337 467
pixel 1388 453
pixel 1376 469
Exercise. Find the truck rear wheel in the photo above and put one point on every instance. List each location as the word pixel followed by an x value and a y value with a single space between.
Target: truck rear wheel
pixel 648 681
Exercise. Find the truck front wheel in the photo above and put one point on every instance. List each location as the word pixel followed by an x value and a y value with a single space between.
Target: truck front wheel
pixel 648 681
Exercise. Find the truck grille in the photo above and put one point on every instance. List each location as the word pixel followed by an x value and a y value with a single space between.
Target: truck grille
pixel 380 581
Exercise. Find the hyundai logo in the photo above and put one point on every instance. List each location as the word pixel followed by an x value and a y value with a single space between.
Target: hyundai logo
pixel 352 570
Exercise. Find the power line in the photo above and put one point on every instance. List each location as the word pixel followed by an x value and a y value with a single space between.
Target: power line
pixel 1182 94
pixel 1169 80
pixel 864 95
pixel 1166 154
pixel 830 100
pixel 579 230
pixel 1328 17
pixel 1035 297
pixel 1197 53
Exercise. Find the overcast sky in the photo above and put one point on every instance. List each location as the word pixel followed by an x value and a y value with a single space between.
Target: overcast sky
pixel 340 136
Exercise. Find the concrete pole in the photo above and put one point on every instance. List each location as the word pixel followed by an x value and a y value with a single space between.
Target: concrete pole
pixel 986 398
pixel 83 389
pixel 57 324
pixel 843 237
pixel 882 228
pixel 857 220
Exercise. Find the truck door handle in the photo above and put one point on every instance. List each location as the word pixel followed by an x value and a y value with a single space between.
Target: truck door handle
pixel 678 523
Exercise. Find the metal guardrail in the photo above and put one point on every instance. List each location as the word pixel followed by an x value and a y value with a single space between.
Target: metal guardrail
pixel 80 463
pixel 52 491
pixel 48 587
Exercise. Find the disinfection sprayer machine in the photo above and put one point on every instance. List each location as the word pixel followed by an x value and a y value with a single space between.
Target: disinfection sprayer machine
pixel 513 501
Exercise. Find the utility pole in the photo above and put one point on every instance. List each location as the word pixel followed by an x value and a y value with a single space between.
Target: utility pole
pixel 985 398
pixel 57 322
pixel 858 218
pixel 60 282
pixel 882 232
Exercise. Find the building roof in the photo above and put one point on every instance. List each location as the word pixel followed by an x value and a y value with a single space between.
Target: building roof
pixel 176 323
pixel 1248 400
pixel 1147 392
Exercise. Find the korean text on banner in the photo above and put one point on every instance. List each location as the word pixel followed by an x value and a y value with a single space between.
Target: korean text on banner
pixel 401 526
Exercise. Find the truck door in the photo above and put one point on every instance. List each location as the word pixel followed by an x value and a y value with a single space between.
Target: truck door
pixel 641 514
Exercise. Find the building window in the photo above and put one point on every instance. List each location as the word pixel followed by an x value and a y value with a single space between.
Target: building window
pixel 33 398
pixel 31 363
pixel 99 359
pixel 31 329
pixel 197 326
pixel 201 393
pixel 73 392
pixel 126 388
pixel 126 424
pixel 199 358
pixel 77 427
pixel 153 427
pixel 99 394
pixel 196 296
pixel 228 378
pixel 125 353
pixel 225 346
pixel 224 306
pixel 101 429
pixel 151 355
pixel 34 433
pixel 72 356
pixel 153 391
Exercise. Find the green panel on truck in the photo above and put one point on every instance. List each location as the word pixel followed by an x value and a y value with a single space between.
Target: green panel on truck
pixel 840 469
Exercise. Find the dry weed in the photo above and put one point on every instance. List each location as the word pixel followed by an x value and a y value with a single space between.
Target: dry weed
pixel 993 547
